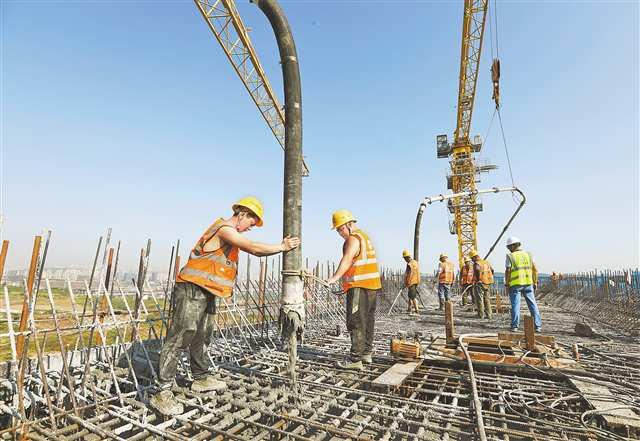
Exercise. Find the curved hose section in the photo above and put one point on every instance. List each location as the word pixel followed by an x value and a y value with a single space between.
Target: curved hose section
pixel 513 216
pixel 477 406
pixel 416 234
pixel 441 198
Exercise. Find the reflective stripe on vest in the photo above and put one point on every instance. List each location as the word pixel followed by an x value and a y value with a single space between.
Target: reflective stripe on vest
pixel 215 270
pixel 467 275
pixel 446 276
pixel 486 276
pixel 363 273
pixel 412 275
pixel 521 268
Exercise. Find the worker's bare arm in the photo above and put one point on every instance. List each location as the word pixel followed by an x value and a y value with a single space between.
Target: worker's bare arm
pixel 350 250
pixel 232 237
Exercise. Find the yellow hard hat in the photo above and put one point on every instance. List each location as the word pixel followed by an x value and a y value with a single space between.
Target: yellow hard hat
pixel 473 253
pixel 253 204
pixel 467 259
pixel 443 255
pixel 406 253
pixel 341 217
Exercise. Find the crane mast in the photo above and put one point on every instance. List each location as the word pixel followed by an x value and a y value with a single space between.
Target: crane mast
pixel 225 22
pixel 461 152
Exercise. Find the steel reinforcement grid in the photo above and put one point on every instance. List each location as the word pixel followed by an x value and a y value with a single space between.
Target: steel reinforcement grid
pixel 90 359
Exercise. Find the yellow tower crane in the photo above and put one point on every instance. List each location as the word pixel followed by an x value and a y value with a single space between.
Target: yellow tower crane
pixel 461 152
pixel 223 19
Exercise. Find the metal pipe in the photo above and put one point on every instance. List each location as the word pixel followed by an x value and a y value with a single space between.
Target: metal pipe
pixel 441 198
pixel 292 314
pixel 477 406
pixel 515 213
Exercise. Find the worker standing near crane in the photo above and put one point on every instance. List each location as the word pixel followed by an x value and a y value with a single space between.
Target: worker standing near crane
pixel 411 281
pixel 482 281
pixel 445 279
pixel 521 277
pixel 358 272
pixel 466 280
pixel 209 274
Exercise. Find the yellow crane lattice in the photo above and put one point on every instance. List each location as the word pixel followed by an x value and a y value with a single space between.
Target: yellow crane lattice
pixel 225 22
pixel 463 168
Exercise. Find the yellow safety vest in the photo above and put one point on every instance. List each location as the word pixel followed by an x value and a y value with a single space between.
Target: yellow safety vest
pixel 446 276
pixel 521 268
pixel 486 275
pixel 363 273
pixel 412 275
pixel 214 270
pixel 466 275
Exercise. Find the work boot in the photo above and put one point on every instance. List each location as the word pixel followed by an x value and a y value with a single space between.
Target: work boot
pixel 165 403
pixel 441 307
pixel 207 384
pixel 351 365
pixel 514 329
pixel 366 358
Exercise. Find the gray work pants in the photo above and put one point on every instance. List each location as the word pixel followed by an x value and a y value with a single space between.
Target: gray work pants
pixel 361 314
pixel 482 300
pixel 191 328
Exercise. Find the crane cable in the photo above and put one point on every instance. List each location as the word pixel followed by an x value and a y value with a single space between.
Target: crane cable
pixel 493 24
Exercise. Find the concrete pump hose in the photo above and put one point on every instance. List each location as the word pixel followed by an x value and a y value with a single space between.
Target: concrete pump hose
pixel 477 406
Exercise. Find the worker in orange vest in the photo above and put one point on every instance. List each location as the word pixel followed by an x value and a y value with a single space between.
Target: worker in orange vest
pixel 482 280
pixel 411 281
pixel 466 280
pixel 446 275
pixel 555 278
pixel 358 272
pixel 210 273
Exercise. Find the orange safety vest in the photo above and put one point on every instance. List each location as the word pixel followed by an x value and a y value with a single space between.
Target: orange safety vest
pixel 486 275
pixel 363 273
pixel 466 276
pixel 215 270
pixel 412 275
pixel 446 276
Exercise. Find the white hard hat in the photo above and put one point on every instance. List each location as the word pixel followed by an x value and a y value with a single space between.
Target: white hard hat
pixel 513 240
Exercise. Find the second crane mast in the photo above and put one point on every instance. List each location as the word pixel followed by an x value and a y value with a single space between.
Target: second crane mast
pixel 461 151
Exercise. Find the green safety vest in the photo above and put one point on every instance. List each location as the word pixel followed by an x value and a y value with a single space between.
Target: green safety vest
pixel 521 272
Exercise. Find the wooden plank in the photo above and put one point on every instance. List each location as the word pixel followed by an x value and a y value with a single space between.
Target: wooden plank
pixel 448 322
pixel 598 396
pixel 519 336
pixel 510 359
pixel 498 302
pixel 395 375
pixel 488 342
pixel 529 333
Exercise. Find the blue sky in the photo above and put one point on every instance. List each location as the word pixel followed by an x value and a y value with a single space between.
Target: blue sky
pixel 128 114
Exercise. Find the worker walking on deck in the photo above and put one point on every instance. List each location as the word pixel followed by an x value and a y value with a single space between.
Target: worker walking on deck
pixel 482 281
pixel 521 278
pixel 411 281
pixel 358 272
pixel 209 274
pixel 445 279
pixel 466 280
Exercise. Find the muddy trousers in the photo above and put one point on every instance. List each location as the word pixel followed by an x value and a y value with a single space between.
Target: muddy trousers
pixel 361 314
pixel 467 292
pixel 482 300
pixel 191 329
